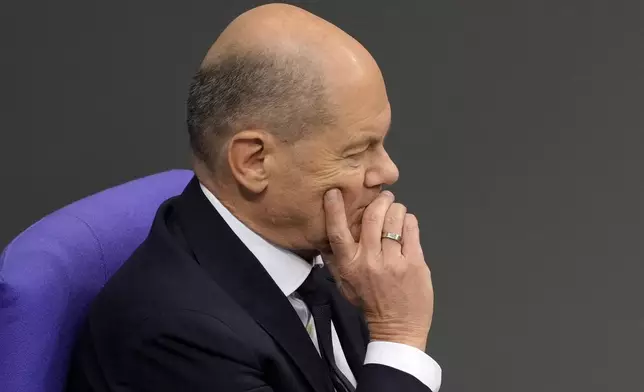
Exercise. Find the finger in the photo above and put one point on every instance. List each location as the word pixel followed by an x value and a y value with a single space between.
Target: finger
pixel 394 220
pixel 373 219
pixel 337 228
pixel 343 284
pixel 411 236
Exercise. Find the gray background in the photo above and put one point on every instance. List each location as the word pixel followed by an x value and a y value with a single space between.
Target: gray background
pixel 517 128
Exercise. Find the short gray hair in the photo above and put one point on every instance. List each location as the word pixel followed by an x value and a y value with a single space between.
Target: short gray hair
pixel 283 94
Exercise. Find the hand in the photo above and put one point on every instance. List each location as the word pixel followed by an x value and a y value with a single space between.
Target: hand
pixel 390 281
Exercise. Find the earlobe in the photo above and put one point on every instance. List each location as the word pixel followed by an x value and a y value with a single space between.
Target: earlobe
pixel 247 153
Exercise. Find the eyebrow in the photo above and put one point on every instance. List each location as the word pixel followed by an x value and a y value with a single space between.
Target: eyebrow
pixel 369 139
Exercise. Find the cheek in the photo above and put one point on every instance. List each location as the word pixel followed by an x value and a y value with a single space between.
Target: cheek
pixel 353 200
pixel 350 181
pixel 354 204
pixel 352 187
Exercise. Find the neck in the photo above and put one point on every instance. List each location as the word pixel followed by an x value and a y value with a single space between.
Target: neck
pixel 251 213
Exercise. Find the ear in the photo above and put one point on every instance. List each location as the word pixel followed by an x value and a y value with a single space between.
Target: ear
pixel 248 155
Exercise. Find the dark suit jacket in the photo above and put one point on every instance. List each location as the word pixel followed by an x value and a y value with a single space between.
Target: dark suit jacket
pixel 193 310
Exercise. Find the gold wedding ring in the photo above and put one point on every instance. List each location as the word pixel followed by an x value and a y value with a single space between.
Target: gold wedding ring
pixel 392 236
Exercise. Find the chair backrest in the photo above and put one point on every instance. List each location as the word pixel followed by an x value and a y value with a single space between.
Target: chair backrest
pixel 51 272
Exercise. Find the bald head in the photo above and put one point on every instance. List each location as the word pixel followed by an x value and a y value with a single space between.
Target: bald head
pixel 277 68
pixel 291 31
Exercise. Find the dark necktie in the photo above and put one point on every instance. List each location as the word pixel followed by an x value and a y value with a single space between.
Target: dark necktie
pixel 315 293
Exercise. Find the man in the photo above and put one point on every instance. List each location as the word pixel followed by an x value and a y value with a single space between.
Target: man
pixel 231 291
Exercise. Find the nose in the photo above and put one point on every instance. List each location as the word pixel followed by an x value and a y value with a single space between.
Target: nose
pixel 384 171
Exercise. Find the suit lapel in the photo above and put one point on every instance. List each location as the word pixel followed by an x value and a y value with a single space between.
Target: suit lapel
pixel 220 252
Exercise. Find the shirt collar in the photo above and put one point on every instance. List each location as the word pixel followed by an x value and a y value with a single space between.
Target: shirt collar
pixel 287 269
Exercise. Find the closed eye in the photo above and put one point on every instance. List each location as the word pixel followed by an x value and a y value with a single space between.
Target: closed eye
pixel 357 153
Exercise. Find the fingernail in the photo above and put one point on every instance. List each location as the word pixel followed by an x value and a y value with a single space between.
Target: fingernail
pixel 332 195
pixel 388 193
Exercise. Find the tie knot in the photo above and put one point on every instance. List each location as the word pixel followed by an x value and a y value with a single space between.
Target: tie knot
pixel 315 290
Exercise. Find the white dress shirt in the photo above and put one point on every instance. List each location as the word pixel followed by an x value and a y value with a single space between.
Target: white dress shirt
pixel 289 271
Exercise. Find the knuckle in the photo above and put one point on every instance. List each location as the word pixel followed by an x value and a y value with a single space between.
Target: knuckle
pixel 398 208
pixel 398 270
pixel 335 238
pixel 396 213
pixel 411 222
pixel 371 217
pixel 401 208
pixel 373 270
pixel 386 195
pixel 391 219
pixel 410 228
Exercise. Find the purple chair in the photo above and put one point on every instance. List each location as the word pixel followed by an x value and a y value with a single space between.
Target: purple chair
pixel 51 272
